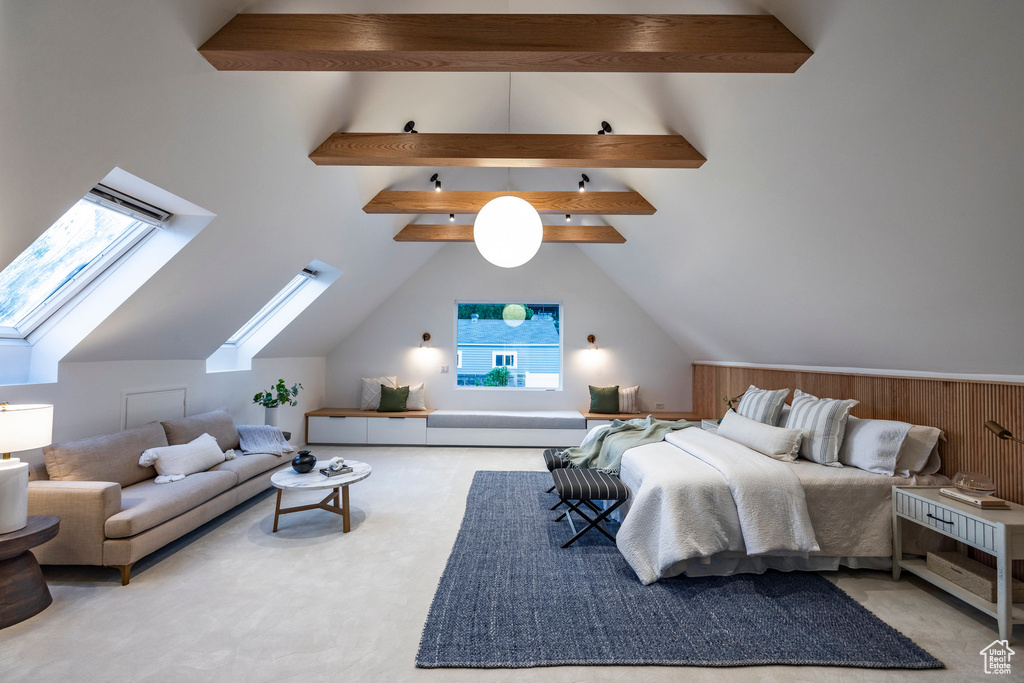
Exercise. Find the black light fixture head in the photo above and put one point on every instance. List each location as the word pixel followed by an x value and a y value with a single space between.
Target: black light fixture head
pixel 451 218
pixel 583 183
pixel 568 218
pixel 410 127
pixel 605 128
pixel 437 182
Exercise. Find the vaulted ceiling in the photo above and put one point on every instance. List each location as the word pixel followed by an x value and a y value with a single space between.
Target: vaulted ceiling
pixel 865 211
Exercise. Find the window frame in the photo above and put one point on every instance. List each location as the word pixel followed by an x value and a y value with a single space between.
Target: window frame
pixel 272 307
pixel 148 220
pixel 506 354
pixel 539 302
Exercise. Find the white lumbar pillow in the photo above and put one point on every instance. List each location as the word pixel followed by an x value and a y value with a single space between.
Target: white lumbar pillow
pixel 775 442
pixel 416 400
pixel 371 390
pixel 174 463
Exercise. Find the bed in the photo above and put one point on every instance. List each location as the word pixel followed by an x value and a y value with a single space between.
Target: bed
pixel 705 505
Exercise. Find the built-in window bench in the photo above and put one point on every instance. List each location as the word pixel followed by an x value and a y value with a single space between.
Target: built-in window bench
pixel 535 428
pixel 348 426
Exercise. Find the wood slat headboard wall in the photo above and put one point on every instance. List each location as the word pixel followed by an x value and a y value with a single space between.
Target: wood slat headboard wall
pixel 957 407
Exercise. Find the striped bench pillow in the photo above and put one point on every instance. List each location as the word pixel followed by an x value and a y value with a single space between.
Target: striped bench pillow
pixel 627 399
pixel 824 423
pixel 762 405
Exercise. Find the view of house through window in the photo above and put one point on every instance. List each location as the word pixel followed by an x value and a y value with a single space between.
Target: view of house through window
pixel 511 345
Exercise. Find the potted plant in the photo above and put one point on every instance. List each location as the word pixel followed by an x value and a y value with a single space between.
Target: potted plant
pixel 279 395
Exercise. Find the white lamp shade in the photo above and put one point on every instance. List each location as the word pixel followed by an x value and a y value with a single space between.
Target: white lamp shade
pixel 25 427
pixel 508 231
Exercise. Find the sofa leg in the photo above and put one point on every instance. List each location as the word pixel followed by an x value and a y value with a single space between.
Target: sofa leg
pixel 126 572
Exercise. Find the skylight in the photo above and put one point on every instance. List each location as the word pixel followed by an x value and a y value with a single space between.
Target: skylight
pixel 84 242
pixel 274 305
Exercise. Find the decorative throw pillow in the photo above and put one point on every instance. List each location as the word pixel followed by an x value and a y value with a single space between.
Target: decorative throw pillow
pixel 371 390
pixel 416 398
pixel 393 400
pixel 775 442
pixel 762 405
pixel 824 421
pixel 628 399
pixel 174 463
pixel 604 400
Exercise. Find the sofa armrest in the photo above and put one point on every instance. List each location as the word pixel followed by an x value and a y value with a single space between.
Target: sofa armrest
pixel 83 508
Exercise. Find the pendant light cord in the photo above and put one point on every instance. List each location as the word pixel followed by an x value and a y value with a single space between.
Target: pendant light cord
pixel 508 170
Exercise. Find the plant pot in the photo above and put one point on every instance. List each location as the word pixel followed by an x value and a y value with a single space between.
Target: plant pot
pixel 270 416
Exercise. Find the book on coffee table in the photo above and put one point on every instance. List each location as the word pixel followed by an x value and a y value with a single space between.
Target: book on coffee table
pixel 328 472
pixel 983 502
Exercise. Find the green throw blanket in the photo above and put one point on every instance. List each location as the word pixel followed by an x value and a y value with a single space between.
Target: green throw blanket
pixel 604 452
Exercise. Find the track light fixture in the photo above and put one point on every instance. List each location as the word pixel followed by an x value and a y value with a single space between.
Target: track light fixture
pixel 437 182
pixel 605 128
pixel 411 127
pixel 568 218
pixel 451 218
pixel 583 183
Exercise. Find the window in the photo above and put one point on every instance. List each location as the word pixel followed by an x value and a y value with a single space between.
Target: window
pixel 89 238
pixel 504 359
pixel 508 345
pixel 302 290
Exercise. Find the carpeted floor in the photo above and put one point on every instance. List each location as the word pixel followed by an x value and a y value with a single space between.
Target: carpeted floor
pixel 510 596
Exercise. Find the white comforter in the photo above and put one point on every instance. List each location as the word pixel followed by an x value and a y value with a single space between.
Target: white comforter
pixel 697 494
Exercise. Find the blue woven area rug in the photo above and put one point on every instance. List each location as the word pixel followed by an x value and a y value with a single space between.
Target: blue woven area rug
pixel 511 597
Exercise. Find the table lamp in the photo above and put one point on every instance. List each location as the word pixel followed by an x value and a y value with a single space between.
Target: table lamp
pixel 22 428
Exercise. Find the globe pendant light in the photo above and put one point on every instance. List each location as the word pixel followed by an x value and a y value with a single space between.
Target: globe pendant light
pixel 508 231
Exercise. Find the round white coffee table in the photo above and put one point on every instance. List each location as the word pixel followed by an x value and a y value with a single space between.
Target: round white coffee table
pixel 290 479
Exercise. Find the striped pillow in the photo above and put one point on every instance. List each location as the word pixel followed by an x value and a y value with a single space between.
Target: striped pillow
pixel 824 421
pixel 627 399
pixel 762 405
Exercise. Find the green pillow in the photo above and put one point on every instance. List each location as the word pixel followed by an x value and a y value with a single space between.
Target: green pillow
pixel 393 400
pixel 604 399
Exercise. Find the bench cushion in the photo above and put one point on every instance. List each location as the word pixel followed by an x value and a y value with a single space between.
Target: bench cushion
pixel 507 419
pixel 147 504
pixel 552 461
pixel 573 483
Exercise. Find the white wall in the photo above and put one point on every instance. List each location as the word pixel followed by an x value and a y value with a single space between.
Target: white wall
pixel 633 348
pixel 87 398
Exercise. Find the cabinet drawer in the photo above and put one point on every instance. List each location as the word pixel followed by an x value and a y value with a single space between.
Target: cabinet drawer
pixel 397 430
pixel 337 429
pixel 598 423
pixel 947 520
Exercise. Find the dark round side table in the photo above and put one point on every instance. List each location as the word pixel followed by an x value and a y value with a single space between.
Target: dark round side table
pixel 23 591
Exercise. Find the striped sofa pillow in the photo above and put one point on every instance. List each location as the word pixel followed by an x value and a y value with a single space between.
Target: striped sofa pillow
pixel 824 423
pixel 762 405
pixel 628 399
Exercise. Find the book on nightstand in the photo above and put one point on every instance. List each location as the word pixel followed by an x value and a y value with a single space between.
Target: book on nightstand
pixel 983 502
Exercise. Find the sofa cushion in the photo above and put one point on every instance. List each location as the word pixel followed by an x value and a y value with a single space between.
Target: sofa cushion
pixel 112 457
pixel 147 504
pixel 246 467
pixel 216 423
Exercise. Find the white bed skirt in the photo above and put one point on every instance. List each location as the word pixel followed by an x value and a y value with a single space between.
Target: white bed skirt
pixel 727 565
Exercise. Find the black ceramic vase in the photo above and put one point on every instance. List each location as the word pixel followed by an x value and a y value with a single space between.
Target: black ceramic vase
pixel 303 462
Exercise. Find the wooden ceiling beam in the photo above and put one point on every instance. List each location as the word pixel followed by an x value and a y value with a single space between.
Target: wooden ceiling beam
pixel 504 150
pixel 462 202
pixel 661 43
pixel 566 234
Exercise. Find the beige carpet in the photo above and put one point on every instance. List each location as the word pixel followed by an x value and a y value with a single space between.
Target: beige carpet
pixel 234 602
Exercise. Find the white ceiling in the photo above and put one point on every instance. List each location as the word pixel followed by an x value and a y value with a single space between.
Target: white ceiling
pixel 865 212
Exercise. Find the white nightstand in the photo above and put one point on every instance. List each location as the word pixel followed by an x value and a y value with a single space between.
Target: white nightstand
pixel 997 532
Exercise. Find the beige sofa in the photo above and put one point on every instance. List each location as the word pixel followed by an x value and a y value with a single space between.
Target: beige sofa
pixel 113 514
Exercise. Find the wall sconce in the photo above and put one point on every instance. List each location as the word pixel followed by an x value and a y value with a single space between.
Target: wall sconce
pixel 592 340
pixel 1001 431
pixel 425 344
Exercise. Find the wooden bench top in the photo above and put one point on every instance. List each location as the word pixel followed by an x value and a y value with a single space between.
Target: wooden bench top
pixel 352 412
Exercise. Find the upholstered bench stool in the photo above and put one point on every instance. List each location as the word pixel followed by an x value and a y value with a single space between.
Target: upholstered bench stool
pixel 553 462
pixel 586 486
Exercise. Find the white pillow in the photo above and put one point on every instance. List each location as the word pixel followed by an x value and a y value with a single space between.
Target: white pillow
pixel 628 399
pixel 416 400
pixel 371 390
pixel 174 463
pixel 775 442
pixel 873 445
pixel 762 405
pixel 824 423
pixel 920 452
